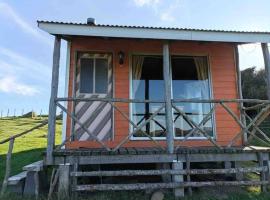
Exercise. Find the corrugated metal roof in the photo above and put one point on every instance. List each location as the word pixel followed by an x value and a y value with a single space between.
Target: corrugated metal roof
pixel 152 27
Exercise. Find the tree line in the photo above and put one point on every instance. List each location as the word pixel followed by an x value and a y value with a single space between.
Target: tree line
pixel 254 83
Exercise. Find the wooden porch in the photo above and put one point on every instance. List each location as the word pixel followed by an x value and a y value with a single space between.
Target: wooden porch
pixel 172 171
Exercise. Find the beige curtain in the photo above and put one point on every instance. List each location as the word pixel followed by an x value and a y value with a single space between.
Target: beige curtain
pixel 137 63
pixel 202 72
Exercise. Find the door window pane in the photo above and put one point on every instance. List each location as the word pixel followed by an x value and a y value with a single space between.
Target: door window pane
pixel 101 77
pixel 94 75
pixel 86 75
pixel 190 80
pixel 147 83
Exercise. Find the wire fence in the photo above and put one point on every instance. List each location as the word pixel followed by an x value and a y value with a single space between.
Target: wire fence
pixel 15 113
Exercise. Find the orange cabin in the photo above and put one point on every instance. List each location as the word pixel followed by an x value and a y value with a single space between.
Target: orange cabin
pixel 145 86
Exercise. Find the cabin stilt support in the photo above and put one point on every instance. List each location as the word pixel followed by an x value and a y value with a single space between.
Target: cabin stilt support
pixel 238 176
pixel 178 192
pixel 266 58
pixel 52 106
pixel 168 98
pixel 64 182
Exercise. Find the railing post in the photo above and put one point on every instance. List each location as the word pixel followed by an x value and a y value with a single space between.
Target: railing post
pixel 266 58
pixel 52 106
pixel 168 98
pixel 239 87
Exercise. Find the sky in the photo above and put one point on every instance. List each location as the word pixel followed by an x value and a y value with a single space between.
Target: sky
pixel 26 51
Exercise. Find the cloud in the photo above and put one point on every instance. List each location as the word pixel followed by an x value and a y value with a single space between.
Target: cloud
pixel 17 70
pixel 166 11
pixel 10 84
pixel 14 62
pixel 167 16
pixel 7 11
pixel 141 3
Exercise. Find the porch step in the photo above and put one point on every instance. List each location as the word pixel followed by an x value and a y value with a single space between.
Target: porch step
pixel 27 182
pixel 36 166
pixel 14 180
pixel 16 183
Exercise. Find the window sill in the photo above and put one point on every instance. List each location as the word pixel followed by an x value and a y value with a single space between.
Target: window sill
pixel 164 138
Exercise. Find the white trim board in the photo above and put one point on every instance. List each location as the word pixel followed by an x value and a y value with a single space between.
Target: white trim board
pixel 154 33
pixel 64 126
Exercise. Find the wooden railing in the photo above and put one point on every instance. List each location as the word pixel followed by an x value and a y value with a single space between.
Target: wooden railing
pixel 249 126
pixel 11 141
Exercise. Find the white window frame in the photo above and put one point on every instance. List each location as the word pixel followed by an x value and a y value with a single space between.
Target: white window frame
pixel 94 57
pixel 214 136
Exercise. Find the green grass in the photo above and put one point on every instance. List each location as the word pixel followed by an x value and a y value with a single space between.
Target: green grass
pixel 28 148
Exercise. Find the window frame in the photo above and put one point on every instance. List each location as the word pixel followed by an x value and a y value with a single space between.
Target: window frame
pixel 213 119
pixel 93 56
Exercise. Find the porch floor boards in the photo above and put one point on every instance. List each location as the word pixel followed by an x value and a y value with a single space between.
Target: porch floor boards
pixel 154 150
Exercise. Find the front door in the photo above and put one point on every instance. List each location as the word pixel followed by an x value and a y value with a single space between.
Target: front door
pixel 93 80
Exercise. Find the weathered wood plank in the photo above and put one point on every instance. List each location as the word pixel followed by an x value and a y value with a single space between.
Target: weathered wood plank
pixel 239 89
pixel 116 159
pixel 178 191
pixel 266 58
pixel 52 105
pixel 64 181
pixel 36 166
pixel 125 100
pixel 143 186
pixel 8 167
pixel 188 172
pixel 262 174
pixel 168 98
pixel 169 172
pixel 14 180
pixel 53 182
pixel 248 155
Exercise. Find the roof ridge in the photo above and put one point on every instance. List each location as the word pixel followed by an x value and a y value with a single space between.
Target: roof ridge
pixel 151 27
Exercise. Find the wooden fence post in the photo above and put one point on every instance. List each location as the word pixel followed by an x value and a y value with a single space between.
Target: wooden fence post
pixel 168 98
pixel 64 181
pixel 8 166
pixel 178 192
pixel 262 174
pixel 52 106
pixel 266 58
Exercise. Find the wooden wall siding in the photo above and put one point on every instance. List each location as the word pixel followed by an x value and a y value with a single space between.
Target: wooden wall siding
pixel 223 72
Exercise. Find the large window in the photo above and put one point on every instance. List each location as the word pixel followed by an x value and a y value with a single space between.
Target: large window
pixel 190 80
pixel 94 75
pixel 147 83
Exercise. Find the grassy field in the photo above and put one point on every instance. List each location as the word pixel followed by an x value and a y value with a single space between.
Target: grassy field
pixel 29 148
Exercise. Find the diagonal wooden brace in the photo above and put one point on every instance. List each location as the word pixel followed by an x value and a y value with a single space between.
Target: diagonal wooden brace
pixel 197 126
pixel 138 128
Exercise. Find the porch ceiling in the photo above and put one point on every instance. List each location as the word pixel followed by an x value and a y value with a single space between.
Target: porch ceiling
pixel 117 31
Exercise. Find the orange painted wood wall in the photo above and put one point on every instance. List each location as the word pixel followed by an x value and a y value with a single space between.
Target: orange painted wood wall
pixel 223 72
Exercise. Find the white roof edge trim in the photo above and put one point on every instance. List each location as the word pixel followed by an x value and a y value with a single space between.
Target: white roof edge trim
pixel 164 34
